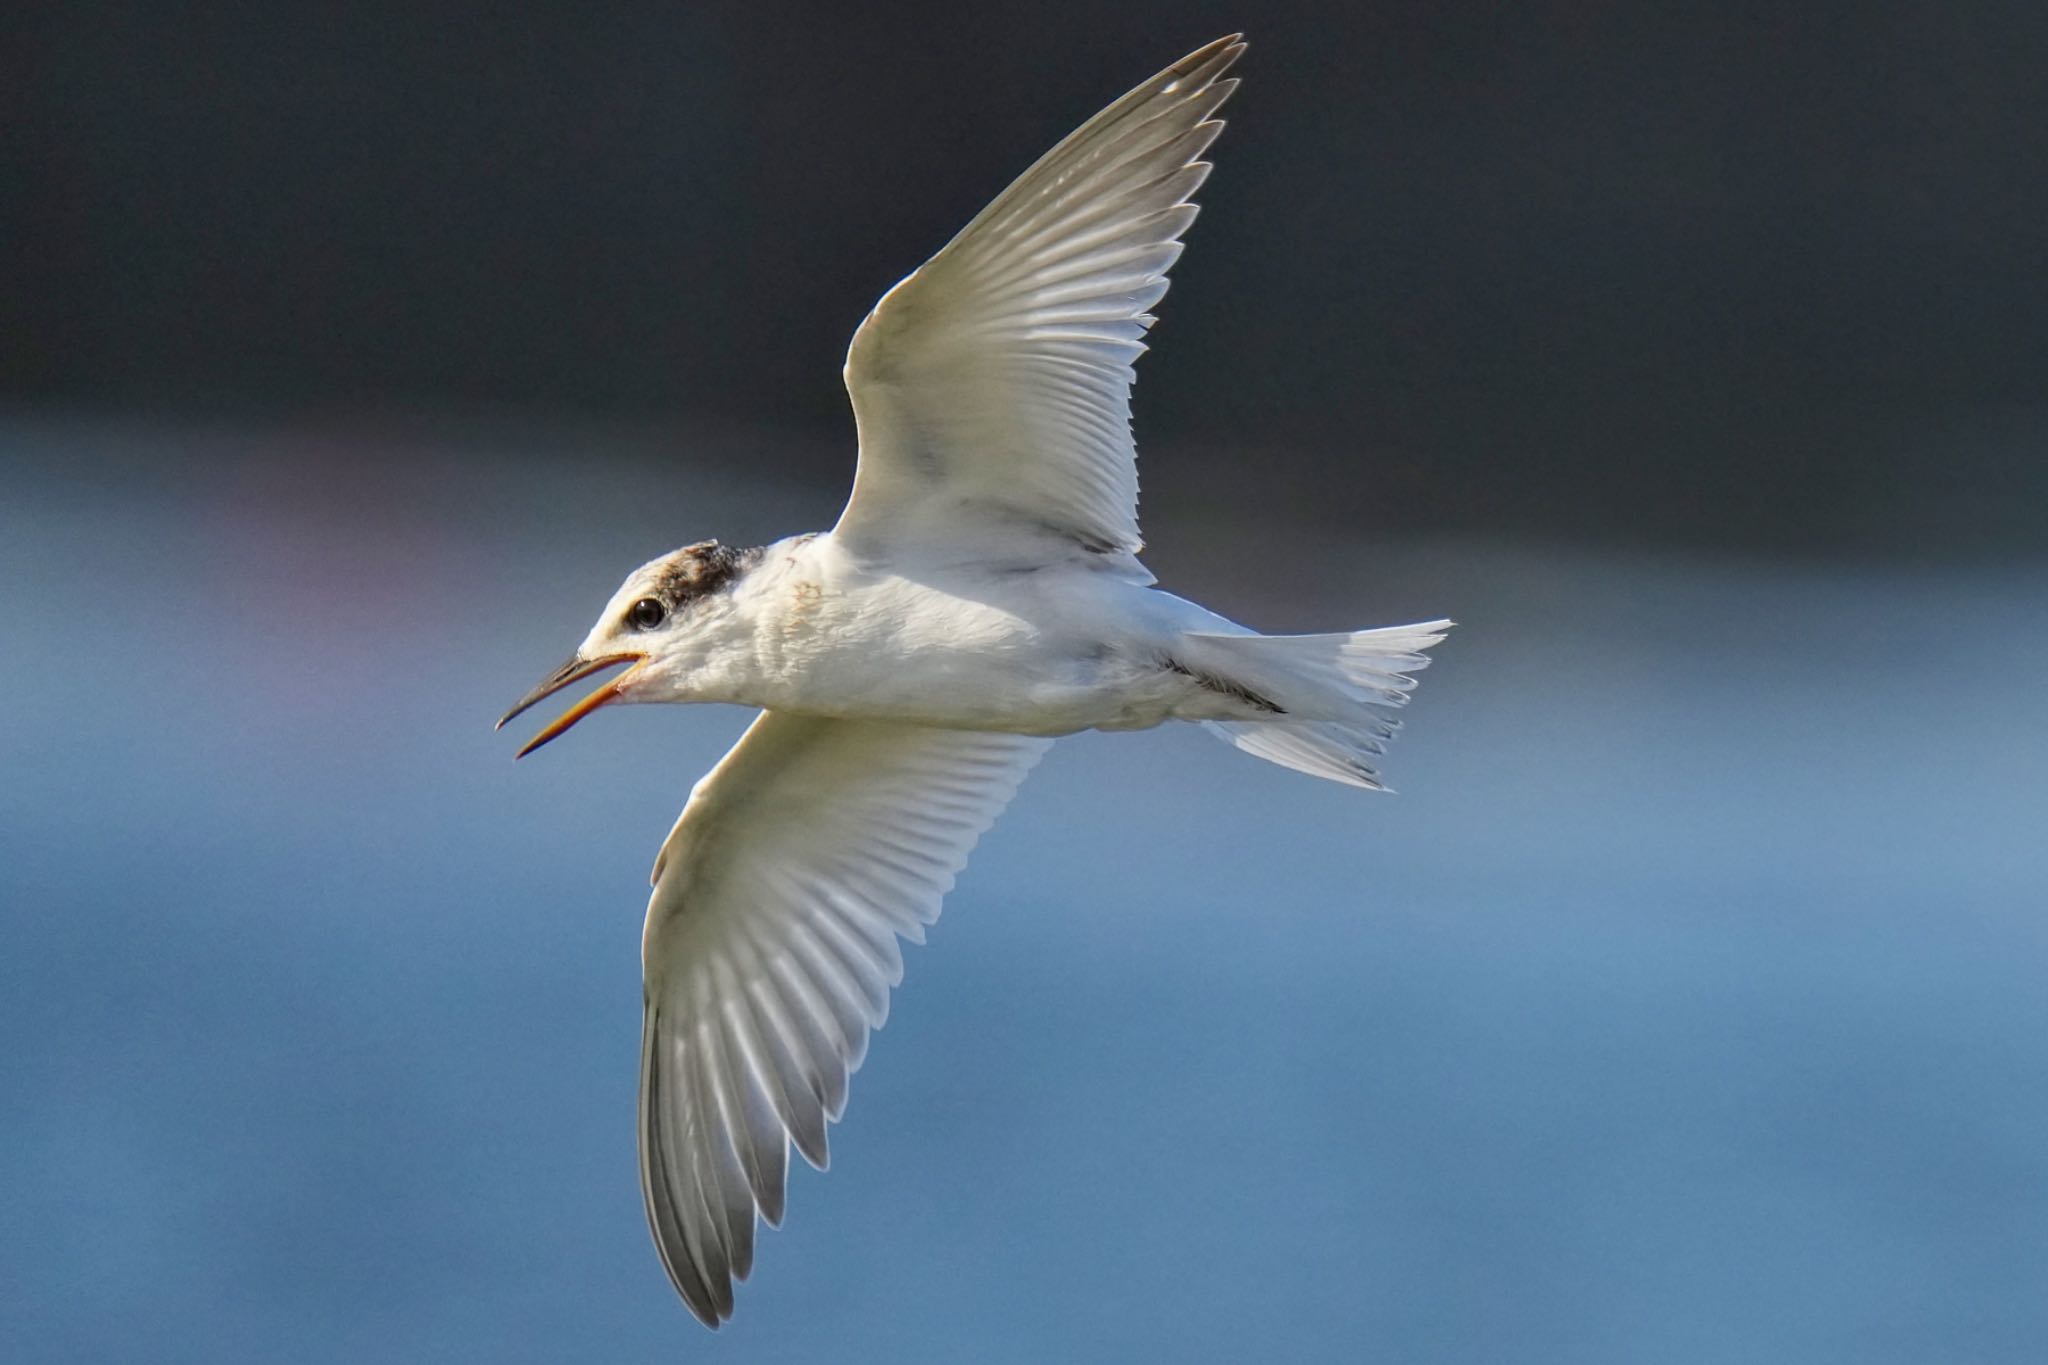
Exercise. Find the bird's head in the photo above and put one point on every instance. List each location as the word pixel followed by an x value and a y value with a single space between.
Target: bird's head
pixel 648 626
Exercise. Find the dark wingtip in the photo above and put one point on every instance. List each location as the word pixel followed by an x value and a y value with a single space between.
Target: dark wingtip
pixel 1230 42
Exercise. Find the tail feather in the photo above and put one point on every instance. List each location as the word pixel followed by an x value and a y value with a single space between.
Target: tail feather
pixel 1336 691
pixel 1319 748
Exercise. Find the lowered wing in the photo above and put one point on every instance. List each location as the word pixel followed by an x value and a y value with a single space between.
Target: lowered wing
pixel 769 955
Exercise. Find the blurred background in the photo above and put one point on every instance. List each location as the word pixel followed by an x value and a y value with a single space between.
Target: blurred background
pixel 1686 1006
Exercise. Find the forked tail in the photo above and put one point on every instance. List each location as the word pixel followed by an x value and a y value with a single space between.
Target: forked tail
pixel 1335 694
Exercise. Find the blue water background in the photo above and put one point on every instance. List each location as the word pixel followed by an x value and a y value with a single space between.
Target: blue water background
pixel 1690 1003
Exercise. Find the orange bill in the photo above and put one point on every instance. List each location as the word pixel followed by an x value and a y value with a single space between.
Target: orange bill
pixel 573 671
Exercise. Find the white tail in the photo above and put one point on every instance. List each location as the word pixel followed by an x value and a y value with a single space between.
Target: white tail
pixel 1335 690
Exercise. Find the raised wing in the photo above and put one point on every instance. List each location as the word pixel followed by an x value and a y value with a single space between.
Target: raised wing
pixel 992 388
pixel 769 954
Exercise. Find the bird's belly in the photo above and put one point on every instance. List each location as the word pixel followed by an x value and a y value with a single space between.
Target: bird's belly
pixel 967 664
pixel 972 691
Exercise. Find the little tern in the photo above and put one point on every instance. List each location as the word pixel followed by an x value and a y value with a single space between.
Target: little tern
pixel 980 595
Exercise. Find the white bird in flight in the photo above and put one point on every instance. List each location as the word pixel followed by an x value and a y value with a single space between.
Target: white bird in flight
pixel 980 595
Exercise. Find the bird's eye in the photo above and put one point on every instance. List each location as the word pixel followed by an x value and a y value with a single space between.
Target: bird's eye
pixel 646 614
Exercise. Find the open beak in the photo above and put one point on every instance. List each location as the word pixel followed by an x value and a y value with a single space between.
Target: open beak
pixel 577 669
